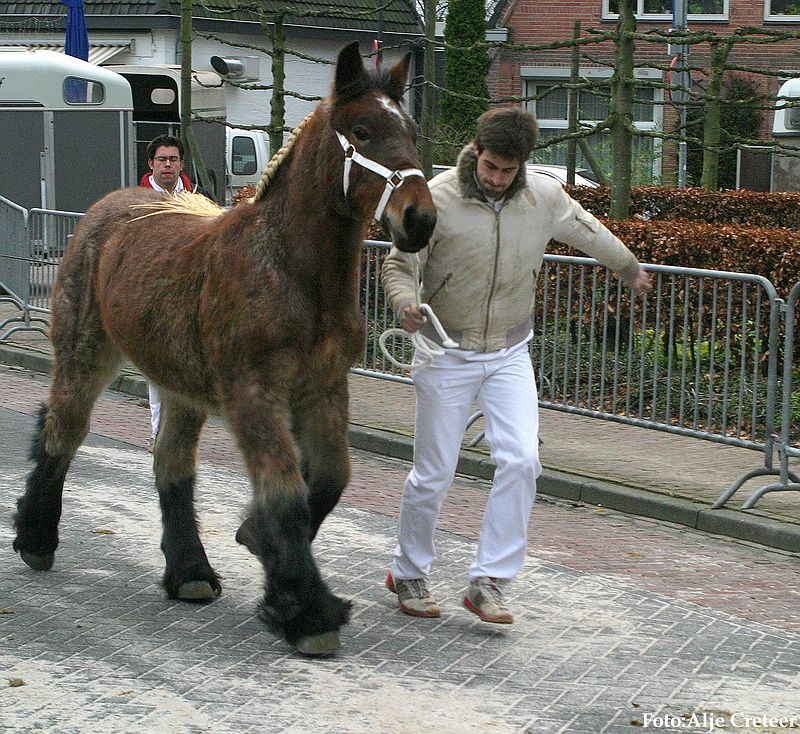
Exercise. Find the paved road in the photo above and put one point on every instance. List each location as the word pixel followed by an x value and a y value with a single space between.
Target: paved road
pixel 621 621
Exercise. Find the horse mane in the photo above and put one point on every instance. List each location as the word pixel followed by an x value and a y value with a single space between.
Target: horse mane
pixel 275 162
pixel 184 202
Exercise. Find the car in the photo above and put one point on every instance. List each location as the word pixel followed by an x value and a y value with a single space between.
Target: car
pixel 583 177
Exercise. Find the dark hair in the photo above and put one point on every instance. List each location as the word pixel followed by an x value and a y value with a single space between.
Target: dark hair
pixel 510 132
pixel 164 141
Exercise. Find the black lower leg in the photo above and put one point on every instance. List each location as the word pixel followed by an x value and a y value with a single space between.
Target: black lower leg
pixel 297 603
pixel 39 509
pixel 185 556
pixel 323 496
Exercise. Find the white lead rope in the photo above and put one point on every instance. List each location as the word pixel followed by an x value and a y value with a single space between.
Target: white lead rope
pixel 425 349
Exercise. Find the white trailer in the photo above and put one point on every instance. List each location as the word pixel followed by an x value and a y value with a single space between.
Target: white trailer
pixel 65 130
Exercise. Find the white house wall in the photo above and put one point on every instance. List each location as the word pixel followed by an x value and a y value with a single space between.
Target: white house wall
pixel 161 47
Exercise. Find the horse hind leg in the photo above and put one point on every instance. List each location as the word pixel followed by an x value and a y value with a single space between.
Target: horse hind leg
pixel 188 575
pixel 61 427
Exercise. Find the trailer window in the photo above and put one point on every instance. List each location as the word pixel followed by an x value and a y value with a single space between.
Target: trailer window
pixel 244 156
pixel 83 91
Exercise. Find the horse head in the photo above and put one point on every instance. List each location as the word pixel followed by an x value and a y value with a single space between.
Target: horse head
pixel 380 167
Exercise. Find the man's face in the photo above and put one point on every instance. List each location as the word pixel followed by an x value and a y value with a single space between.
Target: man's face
pixel 495 173
pixel 166 166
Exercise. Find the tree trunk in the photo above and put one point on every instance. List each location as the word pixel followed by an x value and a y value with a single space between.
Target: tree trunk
pixel 622 114
pixel 712 132
pixel 277 104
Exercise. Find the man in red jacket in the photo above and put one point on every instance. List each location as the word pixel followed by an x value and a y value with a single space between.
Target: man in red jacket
pixel 165 158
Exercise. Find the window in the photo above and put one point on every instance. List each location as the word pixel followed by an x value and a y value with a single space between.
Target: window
pixel 83 91
pixel 784 10
pixel 551 107
pixel 244 156
pixel 662 9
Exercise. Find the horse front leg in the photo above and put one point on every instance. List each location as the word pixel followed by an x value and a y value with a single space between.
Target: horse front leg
pixel 188 575
pixel 320 428
pixel 297 604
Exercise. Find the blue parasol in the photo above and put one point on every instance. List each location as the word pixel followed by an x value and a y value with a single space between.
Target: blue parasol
pixel 77 40
pixel 76 44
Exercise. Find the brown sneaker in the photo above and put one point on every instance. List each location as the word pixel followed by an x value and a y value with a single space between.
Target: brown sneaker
pixel 484 597
pixel 413 596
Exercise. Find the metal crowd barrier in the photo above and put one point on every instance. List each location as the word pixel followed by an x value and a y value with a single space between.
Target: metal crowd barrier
pixel 785 444
pixel 32 244
pixel 698 356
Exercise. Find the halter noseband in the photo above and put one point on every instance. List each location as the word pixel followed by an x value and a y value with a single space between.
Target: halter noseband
pixel 394 179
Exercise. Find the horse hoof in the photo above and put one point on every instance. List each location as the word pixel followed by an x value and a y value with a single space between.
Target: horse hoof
pixel 197 591
pixel 325 644
pixel 38 563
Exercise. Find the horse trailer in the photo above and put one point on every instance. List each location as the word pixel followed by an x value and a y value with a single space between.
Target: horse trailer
pixel 65 130
pixel 78 131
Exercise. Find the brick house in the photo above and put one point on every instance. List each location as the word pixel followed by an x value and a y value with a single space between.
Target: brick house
pixel 527 73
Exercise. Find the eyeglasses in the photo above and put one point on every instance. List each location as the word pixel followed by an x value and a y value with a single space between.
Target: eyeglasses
pixel 165 158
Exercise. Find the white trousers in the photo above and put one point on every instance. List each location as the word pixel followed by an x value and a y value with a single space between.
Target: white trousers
pixel 155 409
pixel 503 385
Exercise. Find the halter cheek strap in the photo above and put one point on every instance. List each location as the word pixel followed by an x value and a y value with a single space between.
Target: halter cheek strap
pixel 394 179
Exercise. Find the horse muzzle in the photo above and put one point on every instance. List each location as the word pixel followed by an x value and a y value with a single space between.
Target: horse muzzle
pixel 410 219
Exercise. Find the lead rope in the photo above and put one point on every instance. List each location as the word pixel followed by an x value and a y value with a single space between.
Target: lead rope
pixel 424 348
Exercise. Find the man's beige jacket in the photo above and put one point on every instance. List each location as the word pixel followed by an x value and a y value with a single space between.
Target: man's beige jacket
pixel 479 270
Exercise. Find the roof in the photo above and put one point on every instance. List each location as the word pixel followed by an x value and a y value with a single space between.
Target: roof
pixel 395 16
pixel 98 53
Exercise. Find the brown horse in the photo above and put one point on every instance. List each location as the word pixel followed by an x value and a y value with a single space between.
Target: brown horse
pixel 253 311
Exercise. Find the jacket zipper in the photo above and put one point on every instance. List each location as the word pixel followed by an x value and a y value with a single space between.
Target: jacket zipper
pixel 494 275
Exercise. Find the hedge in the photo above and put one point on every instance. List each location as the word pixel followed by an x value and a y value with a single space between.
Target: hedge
pixel 657 203
pixel 738 231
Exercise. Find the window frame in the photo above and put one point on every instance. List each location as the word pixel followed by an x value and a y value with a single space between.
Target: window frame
pixel 533 76
pixel 769 16
pixel 667 17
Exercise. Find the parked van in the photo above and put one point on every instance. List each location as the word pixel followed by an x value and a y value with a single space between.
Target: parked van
pixel 786 131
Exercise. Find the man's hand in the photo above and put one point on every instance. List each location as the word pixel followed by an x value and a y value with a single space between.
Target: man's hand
pixel 412 318
pixel 642 284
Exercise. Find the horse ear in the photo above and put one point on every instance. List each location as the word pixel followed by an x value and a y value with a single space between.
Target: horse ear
pixel 349 67
pixel 398 75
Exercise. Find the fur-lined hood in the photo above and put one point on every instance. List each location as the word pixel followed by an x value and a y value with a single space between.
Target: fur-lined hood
pixel 467 166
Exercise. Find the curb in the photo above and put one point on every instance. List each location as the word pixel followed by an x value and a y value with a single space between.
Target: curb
pixel 736 524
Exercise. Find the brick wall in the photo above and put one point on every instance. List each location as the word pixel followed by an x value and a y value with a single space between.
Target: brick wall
pixel 535 22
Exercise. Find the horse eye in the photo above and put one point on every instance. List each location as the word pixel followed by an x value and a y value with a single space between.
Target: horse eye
pixel 361 133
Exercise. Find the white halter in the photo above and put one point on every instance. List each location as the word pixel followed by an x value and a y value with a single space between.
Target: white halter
pixel 394 179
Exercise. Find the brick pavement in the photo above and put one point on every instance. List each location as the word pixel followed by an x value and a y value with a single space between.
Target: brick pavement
pixel 607 635
pixel 597 462
pixel 746 580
